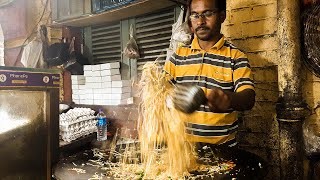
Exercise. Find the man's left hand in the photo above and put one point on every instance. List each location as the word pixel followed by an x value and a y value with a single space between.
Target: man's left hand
pixel 219 100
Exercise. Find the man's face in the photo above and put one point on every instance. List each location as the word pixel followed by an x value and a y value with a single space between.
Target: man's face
pixel 206 27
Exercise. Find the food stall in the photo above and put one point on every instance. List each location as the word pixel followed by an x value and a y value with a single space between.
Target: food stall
pixel 89 41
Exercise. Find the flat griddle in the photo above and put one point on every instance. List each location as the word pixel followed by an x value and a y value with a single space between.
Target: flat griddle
pixel 248 165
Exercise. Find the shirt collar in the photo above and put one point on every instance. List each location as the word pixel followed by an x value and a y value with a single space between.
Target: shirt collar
pixel 195 44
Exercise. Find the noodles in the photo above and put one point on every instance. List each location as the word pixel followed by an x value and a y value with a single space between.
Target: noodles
pixel 78 170
pixel 163 151
pixel 164 147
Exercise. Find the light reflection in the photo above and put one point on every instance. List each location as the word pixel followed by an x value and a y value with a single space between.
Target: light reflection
pixel 7 123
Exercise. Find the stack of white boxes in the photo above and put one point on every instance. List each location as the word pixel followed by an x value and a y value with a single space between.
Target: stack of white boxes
pixel 103 86
pixel 78 88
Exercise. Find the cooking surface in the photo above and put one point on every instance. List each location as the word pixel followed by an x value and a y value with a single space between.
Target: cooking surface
pixel 63 170
pixel 248 165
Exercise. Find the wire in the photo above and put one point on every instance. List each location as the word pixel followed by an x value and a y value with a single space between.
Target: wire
pixel 30 35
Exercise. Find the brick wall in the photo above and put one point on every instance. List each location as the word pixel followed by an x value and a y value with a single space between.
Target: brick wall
pixel 252 26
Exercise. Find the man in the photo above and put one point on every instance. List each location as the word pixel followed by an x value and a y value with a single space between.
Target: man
pixel 219 68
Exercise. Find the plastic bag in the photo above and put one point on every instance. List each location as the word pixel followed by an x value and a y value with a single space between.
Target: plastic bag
pixel 181 34
pixel 32 54
pixel 131 50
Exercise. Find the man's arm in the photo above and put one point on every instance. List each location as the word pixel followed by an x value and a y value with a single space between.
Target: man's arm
pixel 222 101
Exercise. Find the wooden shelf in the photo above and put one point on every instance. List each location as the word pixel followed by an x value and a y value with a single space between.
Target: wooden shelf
pixel 130 10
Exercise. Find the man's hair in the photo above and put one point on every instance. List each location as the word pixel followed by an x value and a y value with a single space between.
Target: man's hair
pixel 221 4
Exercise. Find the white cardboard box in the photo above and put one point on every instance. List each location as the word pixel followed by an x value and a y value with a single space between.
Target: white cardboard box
pixel 75 97
pixel 111 78
pixel 92 73
pixel 89 96
pixel 122 83
pixel 110 65
pixel 75 91
pixel 85 101
pixel 75 87
pixel 96 67
pixel 102 91
pixel 82 87
pixel 87 68
pixel 88 91
pixel 78 82
pixel 102 96
pixel 98 102
pixel 77 77
pixel 83 96
pixel 110 72
pixel 96 73
pixel 77 101
pixel 101 102
pixel 91 79
pixel 94 85
pixel 106 84
pixel 120 96
pixel 114 103
pixel 121 90
pixel 87 73
pixel 88 101
pixel 82 91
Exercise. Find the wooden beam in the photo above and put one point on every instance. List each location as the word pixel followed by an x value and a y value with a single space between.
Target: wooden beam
pixel 130 10
pixel 181 2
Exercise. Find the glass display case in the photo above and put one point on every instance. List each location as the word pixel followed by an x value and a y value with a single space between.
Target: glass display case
pixel 29 122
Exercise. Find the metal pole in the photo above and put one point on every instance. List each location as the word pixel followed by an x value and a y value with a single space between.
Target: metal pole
pixel 291 110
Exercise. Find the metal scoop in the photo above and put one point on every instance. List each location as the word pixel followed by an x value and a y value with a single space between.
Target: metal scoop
pixel 188 98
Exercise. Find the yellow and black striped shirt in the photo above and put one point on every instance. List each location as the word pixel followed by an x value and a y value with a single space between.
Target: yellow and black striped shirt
pixel 223 66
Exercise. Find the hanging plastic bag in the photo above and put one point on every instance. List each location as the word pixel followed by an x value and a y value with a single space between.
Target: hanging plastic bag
pixel 181 34
pixel 131 50
pixel 32 54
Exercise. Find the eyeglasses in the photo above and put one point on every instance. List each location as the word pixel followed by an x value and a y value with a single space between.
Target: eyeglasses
pixel 206 14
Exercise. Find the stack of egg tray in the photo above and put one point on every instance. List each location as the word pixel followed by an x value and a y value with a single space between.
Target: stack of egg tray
pixel 76 123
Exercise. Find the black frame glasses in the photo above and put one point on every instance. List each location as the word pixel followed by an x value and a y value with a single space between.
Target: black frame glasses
pixel 207 14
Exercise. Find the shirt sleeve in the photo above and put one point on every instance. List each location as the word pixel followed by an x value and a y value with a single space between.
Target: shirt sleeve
pixel 242 74
pixel 169 68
